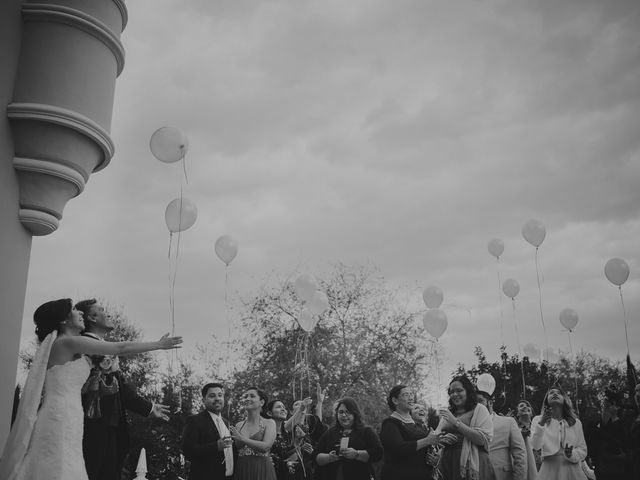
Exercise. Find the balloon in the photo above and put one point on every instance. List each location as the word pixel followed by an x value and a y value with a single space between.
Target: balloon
pixel 569 318
pixel 226 248
pixel 511 288
pixel 617 271
pixel 531 351
pixel 319 303
pixel 550 355
pixel 534 232
pixel 496 247
pixel 432 297
pixel 486 383
pixel 435 322
pixel 168 144
pixel 180 214
pixel 305 286
pixel 307 320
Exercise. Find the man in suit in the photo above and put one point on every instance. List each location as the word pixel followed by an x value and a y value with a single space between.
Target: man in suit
pixel 206 441
pixel 507 448
pixel 106 397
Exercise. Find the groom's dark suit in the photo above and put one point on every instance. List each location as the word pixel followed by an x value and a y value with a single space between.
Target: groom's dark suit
pixel 105 443
pixel 200 446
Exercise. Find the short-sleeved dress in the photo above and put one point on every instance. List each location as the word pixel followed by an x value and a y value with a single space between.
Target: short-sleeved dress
pixel 254 465
pixel 449 465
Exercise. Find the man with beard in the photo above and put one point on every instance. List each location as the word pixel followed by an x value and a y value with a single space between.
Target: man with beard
pixel 106 397
pixel 206 441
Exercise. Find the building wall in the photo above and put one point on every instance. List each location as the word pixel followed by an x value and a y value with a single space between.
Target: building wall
pixel 15 241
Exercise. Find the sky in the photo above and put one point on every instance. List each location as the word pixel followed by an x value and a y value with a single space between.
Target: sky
pixel 403 134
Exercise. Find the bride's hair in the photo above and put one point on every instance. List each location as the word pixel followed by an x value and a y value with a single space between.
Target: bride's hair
pixel 50 315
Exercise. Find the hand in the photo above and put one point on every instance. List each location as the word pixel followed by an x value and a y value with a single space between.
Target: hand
pixel 349 453
pixel 448 416
pixel 433 438
pixel 448 438
pixel 236 436
pixel 167 343
pixel 291 466
pixel 319 394
pixel 333 456
pixel 224 442
pixel 546 416
pixel 159 411
pixel 432 459
pixel 306 402
pixel 307 448
pixel 568 450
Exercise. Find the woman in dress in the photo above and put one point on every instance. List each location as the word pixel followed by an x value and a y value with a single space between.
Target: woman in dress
pixel 254 437
pixel 558 434
pixel 468 430
pixel 524 413
pixel 47 442
pixel 405 443
pixel 285 457
pixel 346 450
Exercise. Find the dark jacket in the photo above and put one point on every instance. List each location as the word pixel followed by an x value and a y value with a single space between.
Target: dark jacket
pixel 401 459
pixel 200 446
pixel 361 439
pixel 99 432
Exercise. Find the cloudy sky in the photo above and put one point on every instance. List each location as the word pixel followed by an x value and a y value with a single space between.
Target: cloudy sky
pixel 403 133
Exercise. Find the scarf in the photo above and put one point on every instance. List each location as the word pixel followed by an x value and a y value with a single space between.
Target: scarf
pixel 469 455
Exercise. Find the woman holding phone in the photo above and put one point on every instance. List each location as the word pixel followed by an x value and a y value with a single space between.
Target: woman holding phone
pixel 347 449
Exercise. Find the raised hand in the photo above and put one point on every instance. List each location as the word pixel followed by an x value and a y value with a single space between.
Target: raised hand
pixel 167 343
pixel 546 416
pixel 448 416
pixel 568 450
pixel 319 393
pixel 160 411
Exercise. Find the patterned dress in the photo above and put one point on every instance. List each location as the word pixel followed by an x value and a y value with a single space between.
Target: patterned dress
pixel 254 465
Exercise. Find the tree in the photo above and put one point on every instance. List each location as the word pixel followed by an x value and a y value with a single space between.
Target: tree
pixel 365 343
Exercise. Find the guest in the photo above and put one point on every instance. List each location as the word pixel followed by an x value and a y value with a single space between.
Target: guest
pixel 469 430
pixel 524 413
pixel 507 450
pixel 405 444
pixel 419 416
pixel 46 438
pixel 306 429
pixel 286 459
pixel 558 433
pixel 206 440
pixel 607 439
pixel 254 437
pixel 347 449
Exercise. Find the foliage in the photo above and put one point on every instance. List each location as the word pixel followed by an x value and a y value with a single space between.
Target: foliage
pixel 584 378
pixel 363 345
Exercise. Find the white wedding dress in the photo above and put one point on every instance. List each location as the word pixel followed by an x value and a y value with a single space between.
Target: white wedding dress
pixel 55 449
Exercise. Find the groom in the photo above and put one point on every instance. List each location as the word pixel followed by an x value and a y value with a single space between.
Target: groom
pixel 106 397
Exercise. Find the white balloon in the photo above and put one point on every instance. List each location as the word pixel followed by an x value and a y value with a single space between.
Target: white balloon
pixel 435 322
pixel 319 302
pixel 568 318
pixel 226 248
pixel 617 271
pixel 180 214
pixel 168 144
pixel 432 297
pixel 531 351
pixel 495 247
pixel 534 232
pixel 305 286
pixel 511 288
pixel 307 320
pixel 486 383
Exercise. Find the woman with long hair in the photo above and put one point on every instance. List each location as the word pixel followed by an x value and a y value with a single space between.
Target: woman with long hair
pixel 254 437
pixel 468 431
pixel 46 440
pixel 346 450
pixel 557 432
pixel 405 442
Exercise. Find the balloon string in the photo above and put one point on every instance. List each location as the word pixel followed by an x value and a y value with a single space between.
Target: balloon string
pixel 575 376
pixel 184 166
pixel 435 357
pixel 544 328
pixel 226 307
pixel 624 315
pixel 515 324
pixel 500 300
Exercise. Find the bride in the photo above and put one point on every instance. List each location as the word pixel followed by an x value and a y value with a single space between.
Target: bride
pixel 46 438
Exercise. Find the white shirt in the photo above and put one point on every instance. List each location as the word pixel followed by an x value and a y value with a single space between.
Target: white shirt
pixel 228 451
